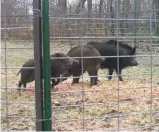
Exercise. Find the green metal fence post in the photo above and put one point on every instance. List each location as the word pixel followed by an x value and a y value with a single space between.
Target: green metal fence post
pixel 46 66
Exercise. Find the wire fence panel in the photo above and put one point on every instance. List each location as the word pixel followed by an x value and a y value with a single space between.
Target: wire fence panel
pixel 112 104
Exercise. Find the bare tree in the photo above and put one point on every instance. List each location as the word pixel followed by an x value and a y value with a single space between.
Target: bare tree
pixel 118 6
pixel 156 3
pixel 8 9
pixel 89 5
pixel 89 8
pixel 13 8
pixel 62 7
pixel 112 15
pixel 100 7
pixel 14 13
pixel 53 8
pixel 125 13
pixel 80 5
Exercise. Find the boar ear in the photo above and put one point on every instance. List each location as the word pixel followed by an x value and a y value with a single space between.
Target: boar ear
pixel 134 50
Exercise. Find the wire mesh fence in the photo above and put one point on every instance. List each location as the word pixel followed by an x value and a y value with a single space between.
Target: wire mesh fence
pixel 111 105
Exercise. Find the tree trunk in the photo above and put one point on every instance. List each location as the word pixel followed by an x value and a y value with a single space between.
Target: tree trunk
pixel 80 5
pixel 100 7
pixel 62 7
pixel 89 8
pixel 156 3
pixel 121 23
pixel 112 12
pixel 89 22
pixel 126 9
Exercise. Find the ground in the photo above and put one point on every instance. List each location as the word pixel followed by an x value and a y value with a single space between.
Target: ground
pixel 130 104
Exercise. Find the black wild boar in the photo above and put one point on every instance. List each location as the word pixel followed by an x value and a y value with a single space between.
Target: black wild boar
pixel 109 48
pixel 91 65
pixel 57 66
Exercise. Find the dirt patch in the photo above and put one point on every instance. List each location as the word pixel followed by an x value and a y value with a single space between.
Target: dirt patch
pixel 107 106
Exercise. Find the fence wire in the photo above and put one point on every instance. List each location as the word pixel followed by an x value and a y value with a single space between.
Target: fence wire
pixel 131 104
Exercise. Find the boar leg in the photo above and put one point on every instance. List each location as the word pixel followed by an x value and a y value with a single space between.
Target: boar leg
pixel 77 75
pixel 110 74
pixel 19 86
pixel 120 77
pixel 93 79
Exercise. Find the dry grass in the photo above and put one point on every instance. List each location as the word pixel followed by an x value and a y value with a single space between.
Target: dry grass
pixel 99 105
